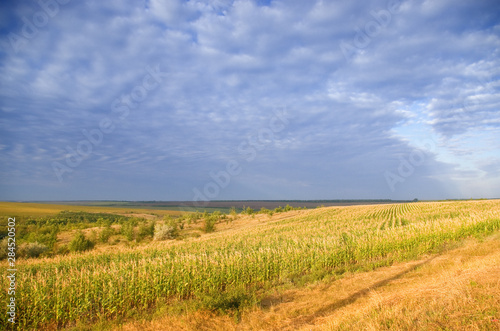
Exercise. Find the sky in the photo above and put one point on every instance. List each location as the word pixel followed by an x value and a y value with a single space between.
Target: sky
pixel 249 99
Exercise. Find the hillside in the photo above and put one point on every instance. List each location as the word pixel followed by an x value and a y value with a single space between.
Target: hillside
pixel 273 269
pixel 458 290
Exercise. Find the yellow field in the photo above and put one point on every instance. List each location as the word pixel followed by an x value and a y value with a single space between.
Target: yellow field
pixel 235 270
pixel 16 209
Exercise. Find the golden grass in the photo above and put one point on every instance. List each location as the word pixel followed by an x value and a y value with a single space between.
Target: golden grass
pixel 457 290
pixel 17 209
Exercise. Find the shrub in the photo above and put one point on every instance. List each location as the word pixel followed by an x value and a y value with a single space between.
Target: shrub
pixel 266 211
pixel 3 248
pixel 128 231
pixel 80 243
pixel 209 225
pixel 231 300
pixel 146 230
pixel 134 221
pixel 63 250
pixel 141 232
pixel 105 234
pixel 166 231
pixel 93 236
pixel 46 235
pixel 193 217
pixel 30 250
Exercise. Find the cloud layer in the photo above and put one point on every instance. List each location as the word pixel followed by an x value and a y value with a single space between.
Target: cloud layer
pixel 152 101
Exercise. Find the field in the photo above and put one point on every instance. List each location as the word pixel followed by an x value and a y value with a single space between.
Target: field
pixel 11 209
pixel 246 265
pixel 222 206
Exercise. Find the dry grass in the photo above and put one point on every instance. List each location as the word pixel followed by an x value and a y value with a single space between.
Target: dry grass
pixel 457 290
pixel 11 209
pixel 241 222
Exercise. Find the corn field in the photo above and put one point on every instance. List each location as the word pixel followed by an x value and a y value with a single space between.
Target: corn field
pixel 54 292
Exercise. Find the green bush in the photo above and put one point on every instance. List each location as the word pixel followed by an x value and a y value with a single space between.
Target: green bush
pixel 63 250
pixel 3 248
pixel 80 243
pixel 266 211
pixel 127 230
pixel 46 235
pixel 193 217
pixel 105 234
pixel 209 225
pixel 93 236
pixel 31 250
pixel 146 230
pixel 166 231
pixel 230 300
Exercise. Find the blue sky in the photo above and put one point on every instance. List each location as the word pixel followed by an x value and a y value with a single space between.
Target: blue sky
pixel 193 100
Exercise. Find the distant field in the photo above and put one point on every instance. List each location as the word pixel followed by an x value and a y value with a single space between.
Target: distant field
pixel 240 265
pixel 222 206
pixel 15 209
